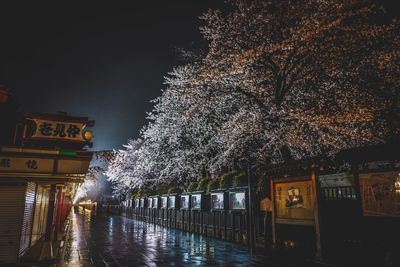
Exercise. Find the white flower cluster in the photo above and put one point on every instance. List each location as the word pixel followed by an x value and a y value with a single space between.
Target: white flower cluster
pixel 279 82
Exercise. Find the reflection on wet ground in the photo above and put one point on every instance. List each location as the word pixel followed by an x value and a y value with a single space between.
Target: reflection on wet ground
pixel 119 241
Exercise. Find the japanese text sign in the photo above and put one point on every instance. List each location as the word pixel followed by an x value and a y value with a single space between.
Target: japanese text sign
pixel 58 130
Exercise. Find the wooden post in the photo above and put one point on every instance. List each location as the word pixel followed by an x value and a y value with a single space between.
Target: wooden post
pixel 58 213
pixel 176 218
pixel 219 224
pixel 225 225
pixel 266 229
pixel 189 219
pixel 273 226
pixel 183 219
pixel 357 186
pixel 50 212
pixel 240 227
pixel 214 222
pixel 233 227
pixel 46 252
pixel 250 213
pixel 201 222
pixel 317 217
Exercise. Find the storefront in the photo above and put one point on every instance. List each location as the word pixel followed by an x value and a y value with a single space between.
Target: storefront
pixel 27 193
pixel 38 183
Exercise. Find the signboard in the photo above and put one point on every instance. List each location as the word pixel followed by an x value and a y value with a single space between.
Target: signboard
pixel 164 202
pixel 155 203
pixel 25 164
pixel 196 201
pixel 237 200
pixel 293 200
pixel 48 129
pixel 380 193
pixel 171 202
pixel 185 202
pixel 72 166
pixel 336 180
pixel 217 201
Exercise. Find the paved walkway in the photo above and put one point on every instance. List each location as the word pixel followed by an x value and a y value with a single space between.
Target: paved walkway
pixel 118 241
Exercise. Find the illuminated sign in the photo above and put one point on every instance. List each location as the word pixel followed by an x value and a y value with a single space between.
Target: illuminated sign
pixel 47 129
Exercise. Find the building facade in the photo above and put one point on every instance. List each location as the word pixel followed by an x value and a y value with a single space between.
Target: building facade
pixel 41 169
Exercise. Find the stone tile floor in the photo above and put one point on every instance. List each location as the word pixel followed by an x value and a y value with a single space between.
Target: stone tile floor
pixel 119 241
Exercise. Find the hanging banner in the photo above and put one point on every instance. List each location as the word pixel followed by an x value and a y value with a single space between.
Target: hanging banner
pixel 58 130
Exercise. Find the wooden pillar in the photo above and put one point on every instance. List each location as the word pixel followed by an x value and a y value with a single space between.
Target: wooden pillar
pixel 250 214
pixel 183 219
pixel 219 224
pixel 357 186
pixel 225 224
pixel 214 222
pixel 59 210
pixel 189 215
pixel 317 216
pixel 241 228
pixel 50 212
pixel 273 226
pixel 166 216
pixel 175 217
pixel 265 229
pixel 233 227
pixel 201 222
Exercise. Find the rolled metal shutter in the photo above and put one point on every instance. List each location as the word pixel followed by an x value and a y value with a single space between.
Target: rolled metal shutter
pixel 26 232
pixel 12 199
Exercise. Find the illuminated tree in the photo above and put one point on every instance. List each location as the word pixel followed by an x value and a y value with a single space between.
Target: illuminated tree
pixel 314 74
pixel 281 80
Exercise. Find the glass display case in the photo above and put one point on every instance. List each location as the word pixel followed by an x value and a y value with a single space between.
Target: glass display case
pixel 164 202
pixel 237 200
pixel 217 201
pixel 195 201
pixel 185 202
pixel 155 203
pixel 171 202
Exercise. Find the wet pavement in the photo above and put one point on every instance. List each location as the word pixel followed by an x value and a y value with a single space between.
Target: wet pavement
pixel 119 241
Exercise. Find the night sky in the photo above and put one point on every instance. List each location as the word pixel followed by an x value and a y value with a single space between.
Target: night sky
pixel 104 62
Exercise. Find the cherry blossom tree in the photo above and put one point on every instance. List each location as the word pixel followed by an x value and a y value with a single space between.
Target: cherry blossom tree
pixel 304 68
pixel 281 80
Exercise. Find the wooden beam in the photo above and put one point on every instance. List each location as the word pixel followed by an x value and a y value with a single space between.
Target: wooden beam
pixel 317 216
